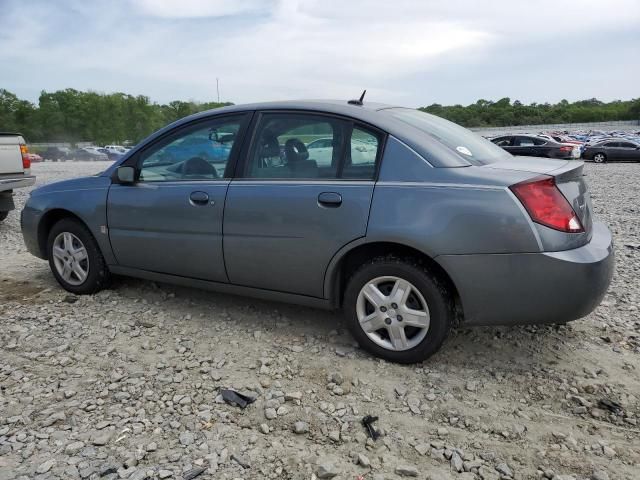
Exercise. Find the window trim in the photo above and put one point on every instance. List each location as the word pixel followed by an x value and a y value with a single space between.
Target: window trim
pixel 249 147
pixel 245 122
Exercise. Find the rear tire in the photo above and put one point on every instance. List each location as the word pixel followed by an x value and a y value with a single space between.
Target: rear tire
pixel 413 325
pixel 3 215
pixel 77 262
pixel 599 158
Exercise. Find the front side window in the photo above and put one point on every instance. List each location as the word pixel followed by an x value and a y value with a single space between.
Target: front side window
pixel 502 141
pixel 200 152
pixel 296 145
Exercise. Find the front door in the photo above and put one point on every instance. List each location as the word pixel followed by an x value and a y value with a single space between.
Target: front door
pixel 170 220
pixel 292 207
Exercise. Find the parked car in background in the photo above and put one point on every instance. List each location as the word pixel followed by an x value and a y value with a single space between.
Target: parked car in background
pixel 34 157
pixel 611 150
pixel 15 169
pixel 115 149
pixel 397 235
pixel 113 155
pixel 536 146
pixel 88 153
pixel 560 138
pixel 56 154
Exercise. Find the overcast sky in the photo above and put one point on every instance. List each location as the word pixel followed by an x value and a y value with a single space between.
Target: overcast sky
pixel 412 53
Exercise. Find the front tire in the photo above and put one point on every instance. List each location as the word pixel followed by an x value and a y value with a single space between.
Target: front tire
pixel 75 258
pixel 599 158
pixel 3 215
pixel 397 309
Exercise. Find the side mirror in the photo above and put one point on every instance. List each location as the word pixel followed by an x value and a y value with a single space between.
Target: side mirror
pixel 126 175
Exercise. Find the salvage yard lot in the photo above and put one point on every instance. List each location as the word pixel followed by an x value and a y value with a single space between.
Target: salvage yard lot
pixel 124 384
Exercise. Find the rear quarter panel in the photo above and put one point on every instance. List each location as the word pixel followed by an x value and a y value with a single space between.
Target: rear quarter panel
pixel 447 211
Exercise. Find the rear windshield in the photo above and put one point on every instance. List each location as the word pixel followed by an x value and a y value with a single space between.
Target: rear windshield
pixel 468 145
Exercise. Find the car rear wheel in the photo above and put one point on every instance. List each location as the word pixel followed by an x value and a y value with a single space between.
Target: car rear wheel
pixel 397 309
pixel 599 158
pixel 3 215
pixel 75 258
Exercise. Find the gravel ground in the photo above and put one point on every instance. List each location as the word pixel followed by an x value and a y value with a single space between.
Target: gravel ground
pixel 124 384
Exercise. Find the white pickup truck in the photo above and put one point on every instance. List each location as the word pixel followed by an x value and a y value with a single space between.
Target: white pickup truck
pixel 15 169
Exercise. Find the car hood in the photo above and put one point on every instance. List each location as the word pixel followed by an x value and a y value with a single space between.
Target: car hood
pixel 82 183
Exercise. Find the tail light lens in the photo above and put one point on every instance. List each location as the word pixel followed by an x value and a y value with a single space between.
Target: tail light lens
pixel 546 205
pixel 26 161
pixel 566 148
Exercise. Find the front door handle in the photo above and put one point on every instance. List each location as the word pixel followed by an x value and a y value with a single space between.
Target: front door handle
pixel 199 198
pixel 330 199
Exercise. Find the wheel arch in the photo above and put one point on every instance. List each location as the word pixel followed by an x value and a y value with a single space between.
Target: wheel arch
pixel 356 253
pixel 48 220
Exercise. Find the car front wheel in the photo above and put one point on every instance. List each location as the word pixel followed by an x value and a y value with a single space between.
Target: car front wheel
pixel 397 309
pixel 3 215
pixel 75 258
pixel 599 158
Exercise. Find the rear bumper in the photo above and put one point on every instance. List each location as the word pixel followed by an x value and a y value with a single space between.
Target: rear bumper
pixel 550 287
pixel 12 183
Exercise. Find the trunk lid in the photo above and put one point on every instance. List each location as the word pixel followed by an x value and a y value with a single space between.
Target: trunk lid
pixel 569 177
pixel 10 154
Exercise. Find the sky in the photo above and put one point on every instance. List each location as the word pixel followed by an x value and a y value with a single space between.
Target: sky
pixel 411 53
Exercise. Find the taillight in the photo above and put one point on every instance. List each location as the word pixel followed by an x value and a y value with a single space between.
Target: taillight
pixel 546 205
pixel 26 161
pixel 566 148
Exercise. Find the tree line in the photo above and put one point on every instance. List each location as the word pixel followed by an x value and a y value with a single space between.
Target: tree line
pixel 504 112
pixel 71 116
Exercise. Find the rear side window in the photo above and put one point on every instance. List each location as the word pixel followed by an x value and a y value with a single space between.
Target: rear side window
pixel 470 146
pixel 296 145
pixel 529 141
pixel 360 162
pixel 310 146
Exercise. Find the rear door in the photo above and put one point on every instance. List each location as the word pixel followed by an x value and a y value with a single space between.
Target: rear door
pixel 523 146
pixel 170 221
pixel 287 215
pixel 628 151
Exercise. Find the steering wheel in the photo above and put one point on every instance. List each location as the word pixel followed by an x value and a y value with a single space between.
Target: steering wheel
pixel 198 166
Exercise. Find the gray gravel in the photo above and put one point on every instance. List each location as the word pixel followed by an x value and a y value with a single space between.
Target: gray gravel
pixel 124 384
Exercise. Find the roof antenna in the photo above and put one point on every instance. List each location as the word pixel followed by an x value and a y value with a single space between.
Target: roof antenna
pixel 359 101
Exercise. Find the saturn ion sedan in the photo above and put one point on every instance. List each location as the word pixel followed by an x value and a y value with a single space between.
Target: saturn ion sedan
pixel 407 222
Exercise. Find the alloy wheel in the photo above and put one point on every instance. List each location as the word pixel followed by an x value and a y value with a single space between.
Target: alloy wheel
pixel 70 258
pixel 393 313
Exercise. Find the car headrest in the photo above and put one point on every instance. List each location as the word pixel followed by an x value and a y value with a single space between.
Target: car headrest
pixel 295 151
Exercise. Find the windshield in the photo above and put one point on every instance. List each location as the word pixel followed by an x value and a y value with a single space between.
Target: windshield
pixel 468 145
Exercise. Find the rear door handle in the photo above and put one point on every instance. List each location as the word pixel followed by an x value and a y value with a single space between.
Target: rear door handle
pixel 199 198
pixel 330 199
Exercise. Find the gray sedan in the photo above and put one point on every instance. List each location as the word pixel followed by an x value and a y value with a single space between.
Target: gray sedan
pixel 611 150
pixel 407 222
